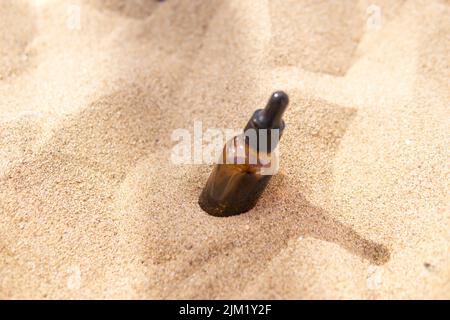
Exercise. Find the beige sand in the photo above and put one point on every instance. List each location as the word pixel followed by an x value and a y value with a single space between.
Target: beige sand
pixel 92 207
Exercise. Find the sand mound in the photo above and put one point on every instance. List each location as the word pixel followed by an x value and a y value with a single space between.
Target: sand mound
pixel 92 207
pixel 17 28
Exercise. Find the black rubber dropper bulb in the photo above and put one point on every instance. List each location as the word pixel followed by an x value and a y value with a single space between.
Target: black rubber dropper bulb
pixel 269 118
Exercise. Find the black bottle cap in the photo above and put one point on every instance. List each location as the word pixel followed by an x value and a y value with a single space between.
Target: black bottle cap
pixel 268 118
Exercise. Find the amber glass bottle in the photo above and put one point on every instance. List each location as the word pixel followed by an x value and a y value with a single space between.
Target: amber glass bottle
pixel 247 163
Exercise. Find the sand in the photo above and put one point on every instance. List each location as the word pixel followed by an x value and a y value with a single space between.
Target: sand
pixel 92 207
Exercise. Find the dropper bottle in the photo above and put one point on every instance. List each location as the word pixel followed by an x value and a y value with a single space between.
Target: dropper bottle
pixel 247 163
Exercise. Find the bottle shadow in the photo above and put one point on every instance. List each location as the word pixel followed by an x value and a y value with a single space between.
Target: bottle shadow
pixel 312 221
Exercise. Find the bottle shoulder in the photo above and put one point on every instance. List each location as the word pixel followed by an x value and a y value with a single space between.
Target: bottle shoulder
pixel 244 158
